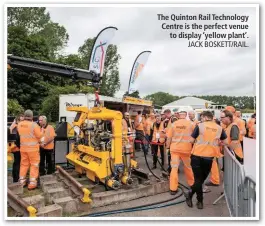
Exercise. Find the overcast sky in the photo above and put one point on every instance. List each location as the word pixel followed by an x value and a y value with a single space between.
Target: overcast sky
pixel 172 67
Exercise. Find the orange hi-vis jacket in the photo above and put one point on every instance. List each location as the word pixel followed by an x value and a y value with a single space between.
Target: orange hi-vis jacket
pixel 30 135
pixel 250 123
pixel 180 132
pixel 148 125
pixel 241 125
pixel 139 122
pixel 48 133
pixel 168 123
pixel 159 134
pixel 207 143
pixel 238 149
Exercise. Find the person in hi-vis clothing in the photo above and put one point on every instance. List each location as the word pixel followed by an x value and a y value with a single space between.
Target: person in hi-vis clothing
pixel 179 143
pixel 29 136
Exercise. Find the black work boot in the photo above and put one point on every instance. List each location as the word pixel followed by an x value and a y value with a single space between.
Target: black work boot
pixel 173 192
pixel 154 167
pixel 188 196
pixel 199 205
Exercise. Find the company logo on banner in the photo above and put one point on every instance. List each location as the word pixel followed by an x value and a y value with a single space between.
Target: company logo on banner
pixel 137 69
pixel 99 50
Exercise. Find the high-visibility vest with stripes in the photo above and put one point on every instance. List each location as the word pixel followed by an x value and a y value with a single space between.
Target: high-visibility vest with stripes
pixel 181 136
pixel 207 143
pixel 238 149
pixel 158 134
pixel 30 134
pixel 48 133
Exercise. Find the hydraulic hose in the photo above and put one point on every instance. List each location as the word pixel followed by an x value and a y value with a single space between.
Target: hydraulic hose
pixel 155 205
pixel 145 151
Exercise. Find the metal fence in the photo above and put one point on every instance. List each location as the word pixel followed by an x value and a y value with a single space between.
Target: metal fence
pixel 240 191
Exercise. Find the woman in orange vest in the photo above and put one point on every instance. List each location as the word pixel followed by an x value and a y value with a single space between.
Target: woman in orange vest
pixel 179 143
pixel 207 146
pixel 15 149
pixel 47 147
pixel 233 134
pixel 158 140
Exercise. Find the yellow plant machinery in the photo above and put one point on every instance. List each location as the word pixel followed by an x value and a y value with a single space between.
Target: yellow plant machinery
pixel 101 154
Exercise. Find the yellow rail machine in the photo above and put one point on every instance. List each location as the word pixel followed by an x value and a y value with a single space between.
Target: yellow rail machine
pixel 100 153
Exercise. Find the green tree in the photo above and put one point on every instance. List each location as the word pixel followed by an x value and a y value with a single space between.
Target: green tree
pixel 110 83
pixel 50 105
pixel 36 21
pixel 134 94
pixel 32 34
pixel 14 108
pixel 161 98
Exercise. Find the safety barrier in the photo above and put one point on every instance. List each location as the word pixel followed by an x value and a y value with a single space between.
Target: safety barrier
pixel 240 191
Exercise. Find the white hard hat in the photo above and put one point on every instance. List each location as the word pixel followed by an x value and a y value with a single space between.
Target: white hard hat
pixel 181 110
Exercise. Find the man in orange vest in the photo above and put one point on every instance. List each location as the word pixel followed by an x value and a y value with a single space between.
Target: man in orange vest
pixel 240 123
pixel 250 123
pixel 242 126
pixel 139 131
pixel 15 149
pixel 47 147
pixel 168 121
pixel 149 124
pixel 158 139
pixel 233 134
pixel 192 118
pixel 208 135
pixel 179 143
pixel 28 138
pixel 127 130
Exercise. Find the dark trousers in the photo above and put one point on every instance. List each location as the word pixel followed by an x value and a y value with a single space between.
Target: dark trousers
pixel 16 166
pixel 201 168
pixel 139 136
pixel 169 161
pixel 46 161
pixel 154 152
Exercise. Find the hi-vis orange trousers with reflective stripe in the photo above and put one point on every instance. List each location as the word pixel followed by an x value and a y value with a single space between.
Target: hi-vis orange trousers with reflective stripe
pixel 29 160
pixel 175 160
pixel 215 178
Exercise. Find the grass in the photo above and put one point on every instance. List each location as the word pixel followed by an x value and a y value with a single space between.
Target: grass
pixel 27 193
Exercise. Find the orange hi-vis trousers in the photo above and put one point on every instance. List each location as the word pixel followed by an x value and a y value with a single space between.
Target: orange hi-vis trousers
pixel 29 160
pixel 215 177
pixel 175 160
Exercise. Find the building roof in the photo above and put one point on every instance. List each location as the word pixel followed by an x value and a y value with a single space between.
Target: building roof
pixel 186 101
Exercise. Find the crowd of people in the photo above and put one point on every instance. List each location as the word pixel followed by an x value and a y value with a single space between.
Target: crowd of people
pixel 198 144
pixel 173 137
pixel 33 150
